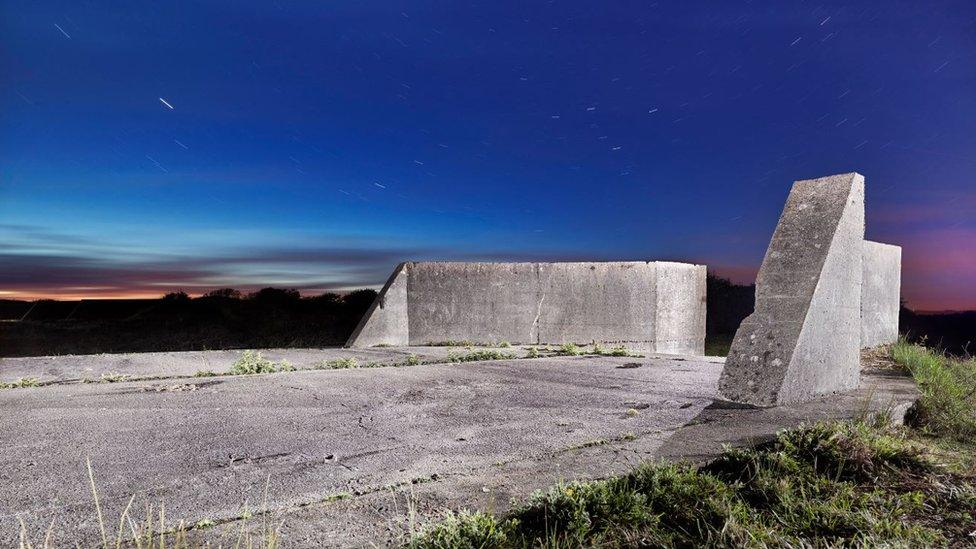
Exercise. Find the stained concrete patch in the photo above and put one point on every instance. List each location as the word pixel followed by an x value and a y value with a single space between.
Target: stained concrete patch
pixel 803 339
pixel 880 294
pixel 652 306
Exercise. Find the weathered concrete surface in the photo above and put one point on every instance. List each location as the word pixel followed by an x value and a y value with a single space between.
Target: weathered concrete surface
pixel 471 435
pixel 179 364
pixel 652 306
pixel 880 294
pixel 804 337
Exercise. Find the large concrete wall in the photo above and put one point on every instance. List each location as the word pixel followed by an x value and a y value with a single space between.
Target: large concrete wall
pixel 653 306
pixel 880 294
pixel 803 340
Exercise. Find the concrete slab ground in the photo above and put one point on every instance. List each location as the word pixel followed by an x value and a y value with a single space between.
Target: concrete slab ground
pixel 75 368
pixel 348 456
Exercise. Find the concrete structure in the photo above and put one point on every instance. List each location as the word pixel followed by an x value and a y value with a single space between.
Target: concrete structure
pixel 804 338
pixel 652 306
pixel 880 294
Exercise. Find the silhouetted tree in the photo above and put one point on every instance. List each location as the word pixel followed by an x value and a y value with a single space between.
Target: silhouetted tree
pixel 275 295
pixel 359 300
pixel 177 296
pixel 224 293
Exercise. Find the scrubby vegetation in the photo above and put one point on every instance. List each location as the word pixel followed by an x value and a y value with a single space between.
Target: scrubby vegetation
pixel 948 404
pixel 252 362
pixel 862 483
pixel 834 484
pixel 338 364
pixel 21 383
pixel 484 354
pixel 221 319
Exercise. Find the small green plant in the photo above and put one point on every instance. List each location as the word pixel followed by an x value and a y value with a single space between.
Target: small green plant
pixel 533 352
pixel 473 356
pixel 504 344
pixel 451 343
pixel 413 360
pixel 616 351
pixel 205 373
pixel 338 364
pixel 569 349
pixel 251 362
pixel 21 383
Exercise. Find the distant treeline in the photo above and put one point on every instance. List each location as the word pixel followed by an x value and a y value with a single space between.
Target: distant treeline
pixel 273 317
pixel 221 319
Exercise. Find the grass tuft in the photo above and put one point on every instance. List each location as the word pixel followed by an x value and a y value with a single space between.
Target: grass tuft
pixel 948 386
pixel 473 356
pixel 830 484
pixel 338 364
pixel 251 362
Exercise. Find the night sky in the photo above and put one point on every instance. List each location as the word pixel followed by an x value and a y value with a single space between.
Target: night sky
pixel 152 146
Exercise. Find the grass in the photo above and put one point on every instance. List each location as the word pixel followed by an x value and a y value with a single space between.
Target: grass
pixel 948 404
pixel 21 383
pixel 861 484
pixel 855 484
pixel 485 354
pixel 718 345
pixel 453 343
pixel 153 531
pixel 338 364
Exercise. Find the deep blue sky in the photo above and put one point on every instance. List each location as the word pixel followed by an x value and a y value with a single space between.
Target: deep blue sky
pixel 314 145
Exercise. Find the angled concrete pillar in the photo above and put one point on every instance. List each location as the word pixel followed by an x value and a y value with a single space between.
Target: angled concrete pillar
pixel 880 294
pixel 385 322
pixel 804 338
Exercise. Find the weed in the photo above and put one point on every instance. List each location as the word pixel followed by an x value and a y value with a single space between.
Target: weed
pixel 413 360
pixel 473 356
pixel 206 373
pixel 532 353
pixel 569 349
pixel 251 362
pixel 614 351
pixel 452 343
pixel 21 383
pixel 338 364
pixel 505 344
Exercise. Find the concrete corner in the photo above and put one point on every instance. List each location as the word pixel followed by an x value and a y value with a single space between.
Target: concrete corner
pixel 385 323
pixel 880 294
pixel 803 339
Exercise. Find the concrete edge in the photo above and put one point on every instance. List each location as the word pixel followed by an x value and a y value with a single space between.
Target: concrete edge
pixel 351 342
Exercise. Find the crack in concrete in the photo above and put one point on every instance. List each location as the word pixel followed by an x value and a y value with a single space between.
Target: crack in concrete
pixel 538 309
